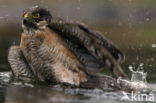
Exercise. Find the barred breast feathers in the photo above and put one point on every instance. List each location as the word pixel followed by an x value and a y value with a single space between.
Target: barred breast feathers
pixel 47 48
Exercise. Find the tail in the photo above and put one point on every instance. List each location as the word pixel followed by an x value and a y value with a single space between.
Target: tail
pixel 105 83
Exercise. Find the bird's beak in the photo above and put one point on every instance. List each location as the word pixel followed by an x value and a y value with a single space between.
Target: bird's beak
pixel 27 16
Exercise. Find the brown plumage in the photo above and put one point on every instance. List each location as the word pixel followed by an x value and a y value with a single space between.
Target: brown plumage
pixel 57 51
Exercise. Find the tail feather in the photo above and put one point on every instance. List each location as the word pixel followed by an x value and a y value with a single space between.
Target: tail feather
pixel 101 82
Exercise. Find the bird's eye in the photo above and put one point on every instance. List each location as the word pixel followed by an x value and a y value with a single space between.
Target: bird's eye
pixel 36 16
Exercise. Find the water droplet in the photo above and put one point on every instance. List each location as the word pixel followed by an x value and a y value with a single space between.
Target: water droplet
pixel 130 67
pixel 147 19
pixel 152 59
pixel 141 64
pixel 153 45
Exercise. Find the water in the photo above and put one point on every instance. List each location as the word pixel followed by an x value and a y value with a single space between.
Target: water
pixel 139 75
pixel 19 92
pixel 4 82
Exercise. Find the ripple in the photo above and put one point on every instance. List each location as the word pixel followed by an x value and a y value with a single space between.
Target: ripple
pixel 18 92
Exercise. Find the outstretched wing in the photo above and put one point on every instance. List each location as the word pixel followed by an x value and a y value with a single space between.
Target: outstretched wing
pixel 91 47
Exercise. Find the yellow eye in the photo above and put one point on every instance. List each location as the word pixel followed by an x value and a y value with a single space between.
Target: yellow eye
pixel 36 16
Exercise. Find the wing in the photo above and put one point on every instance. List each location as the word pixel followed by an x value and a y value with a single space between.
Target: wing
pixel 91 47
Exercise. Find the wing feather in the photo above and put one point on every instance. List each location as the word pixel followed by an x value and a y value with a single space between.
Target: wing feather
pixel 89 45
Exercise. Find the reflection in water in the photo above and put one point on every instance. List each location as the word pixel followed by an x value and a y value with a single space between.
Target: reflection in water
pixel 46 94
pixel 4 80
pixel 18 92
pixel 41 94
pixel 38 94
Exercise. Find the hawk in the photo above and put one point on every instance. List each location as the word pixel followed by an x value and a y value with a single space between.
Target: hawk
pixel 56 51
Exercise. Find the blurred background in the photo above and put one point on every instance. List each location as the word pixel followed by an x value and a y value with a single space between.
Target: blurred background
pixel 131 24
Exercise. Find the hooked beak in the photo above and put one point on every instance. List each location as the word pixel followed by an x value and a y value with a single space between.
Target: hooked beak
pixel 27 18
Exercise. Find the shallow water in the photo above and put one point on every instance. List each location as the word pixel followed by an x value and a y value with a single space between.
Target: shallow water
pixel 19 92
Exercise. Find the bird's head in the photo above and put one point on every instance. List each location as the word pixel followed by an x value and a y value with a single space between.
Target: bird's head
pixel 36 18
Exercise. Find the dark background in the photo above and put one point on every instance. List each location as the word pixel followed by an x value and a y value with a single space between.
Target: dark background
pixel 131 24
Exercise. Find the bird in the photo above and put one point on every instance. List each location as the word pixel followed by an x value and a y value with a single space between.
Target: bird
pixel 54 50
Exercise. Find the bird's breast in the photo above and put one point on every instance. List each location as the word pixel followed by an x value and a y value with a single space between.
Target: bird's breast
pixel 49 49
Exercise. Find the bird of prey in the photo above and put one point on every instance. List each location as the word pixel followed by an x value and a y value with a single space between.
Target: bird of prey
pixel 58 51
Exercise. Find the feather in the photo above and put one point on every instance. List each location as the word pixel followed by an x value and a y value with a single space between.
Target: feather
pixel 92 46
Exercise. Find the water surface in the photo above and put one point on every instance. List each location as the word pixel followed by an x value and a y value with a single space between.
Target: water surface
pixel 18 92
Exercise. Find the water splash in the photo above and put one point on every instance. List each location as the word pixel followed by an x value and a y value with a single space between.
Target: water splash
pixel 5 78
pixel 138 80
pixel 139 75
pixel 153 45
